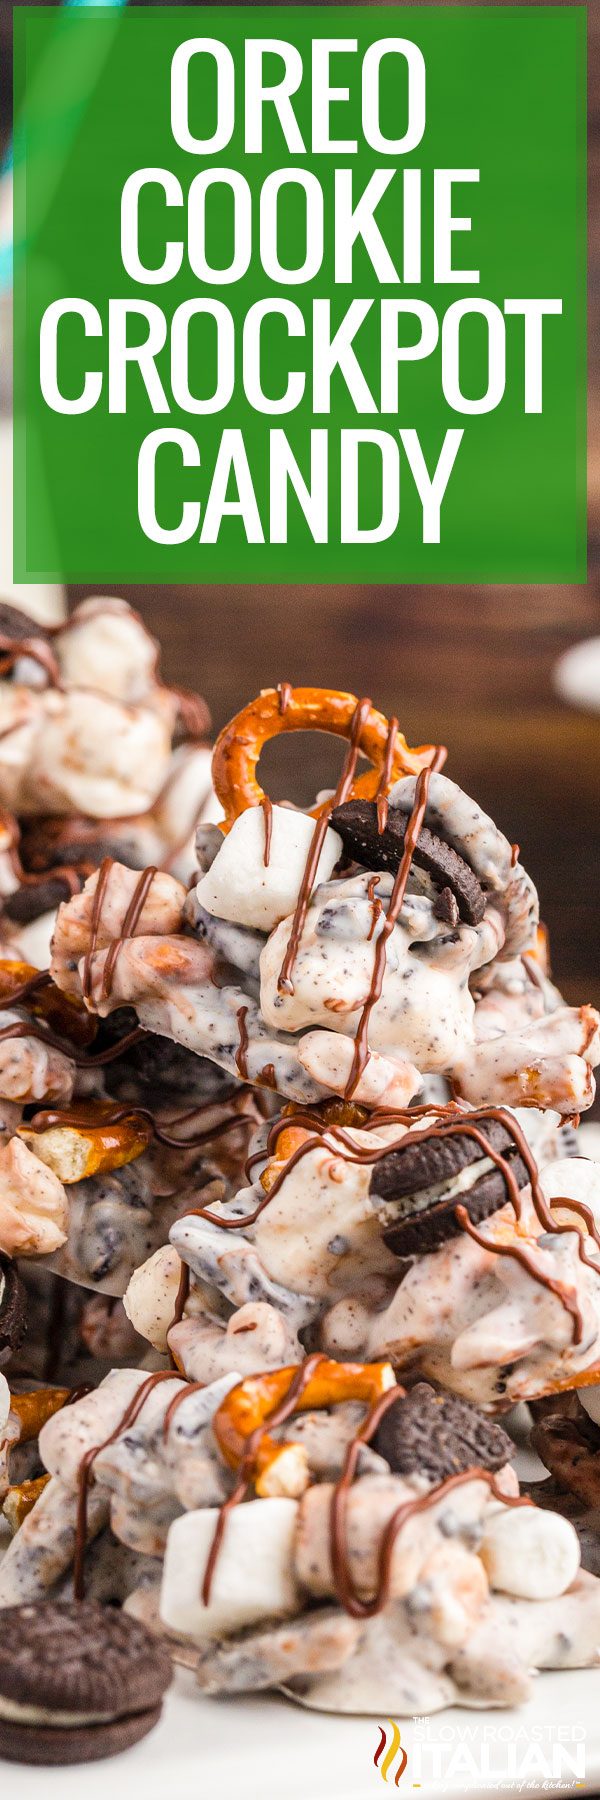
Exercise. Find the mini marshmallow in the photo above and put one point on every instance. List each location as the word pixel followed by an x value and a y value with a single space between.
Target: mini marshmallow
pixel 530 1553
pixel 240 887
pixel 253 1576
pixel 4 1389
pixel 107 647
pixel 151 1295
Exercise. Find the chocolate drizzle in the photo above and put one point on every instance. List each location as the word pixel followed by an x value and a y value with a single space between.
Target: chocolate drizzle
pixel 278 1416
pixel 31 1028
pixel 192 1387
pixel 361 1042
pixel 467 1125
pixel 284 690
pixel 450 1120
pixel 241 1061
pixel 104 874
pixel 385 778
pixel 25 989
pixel 93 1117
pixel 523 1256
pixel 267 807
pixel 100 1058
pixel 84 1473
pixel 128 928
pixel 360 715
pixel 333 1138
pixel 375 903
pixel 342 1579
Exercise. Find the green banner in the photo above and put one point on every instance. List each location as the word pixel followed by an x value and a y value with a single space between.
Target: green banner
pixel 300 294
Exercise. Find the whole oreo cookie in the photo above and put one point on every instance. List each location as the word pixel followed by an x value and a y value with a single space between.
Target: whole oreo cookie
pixel 438 1435
pixel 408 1177
pixel 356 822
pixel 13 1309
pixel 78 1681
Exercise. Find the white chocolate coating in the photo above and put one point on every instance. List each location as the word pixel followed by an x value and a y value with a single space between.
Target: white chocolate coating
pixel 34 1211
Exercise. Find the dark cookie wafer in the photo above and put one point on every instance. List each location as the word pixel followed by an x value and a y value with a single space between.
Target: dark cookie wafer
pixel 356 822
pixel 437 1435
pixel 415 1165
pixel 426 1230
pixel 32 900
pixel 157 1068
pixel 79 843
pixel 89 1662
pixel 412 1168
pixel 13 1309
pixel 48 1744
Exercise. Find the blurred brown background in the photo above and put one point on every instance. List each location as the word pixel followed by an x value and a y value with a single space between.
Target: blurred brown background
pixel 470 667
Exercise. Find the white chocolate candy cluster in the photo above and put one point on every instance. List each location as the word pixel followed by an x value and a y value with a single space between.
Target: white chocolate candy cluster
pixel 90 1187
pixel 523 1047
pixel 481 1592
pixel 279 1539
pixel 90 760
pixel 502 1319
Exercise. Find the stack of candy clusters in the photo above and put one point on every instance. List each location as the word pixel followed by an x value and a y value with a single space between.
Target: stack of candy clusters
pixel 292 1207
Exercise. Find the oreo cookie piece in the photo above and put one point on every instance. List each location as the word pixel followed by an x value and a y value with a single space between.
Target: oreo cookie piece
pixel 423 1183
pixel 438 1435
pixel 155 1068
pixel 79 842
pixel 78 1681
pixel 356 822
pixel 33 899
pixel 13 1309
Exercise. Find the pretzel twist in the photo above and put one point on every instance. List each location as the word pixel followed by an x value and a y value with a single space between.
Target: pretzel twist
pixel 23 984
pixel 239 745
pixel 20 1500
pixel 239 1422
pixel 33 1408
pixel 82 1142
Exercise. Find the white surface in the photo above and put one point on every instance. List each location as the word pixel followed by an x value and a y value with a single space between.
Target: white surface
pixel 245 1749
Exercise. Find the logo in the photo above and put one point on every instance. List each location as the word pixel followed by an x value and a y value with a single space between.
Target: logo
pixel 392 1750
pixel 511 1758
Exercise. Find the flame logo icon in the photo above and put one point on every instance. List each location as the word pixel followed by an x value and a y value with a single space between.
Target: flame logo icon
pixel 393 1749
